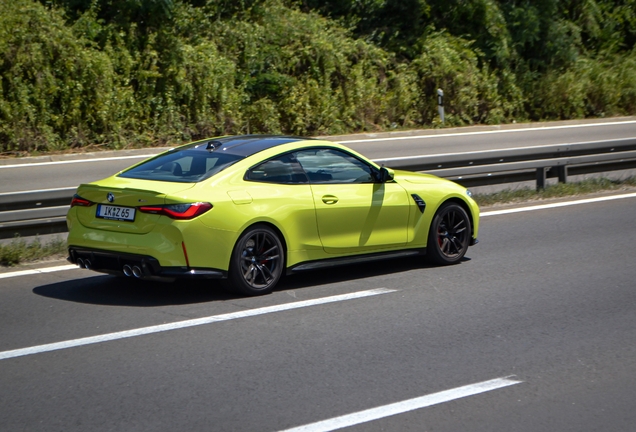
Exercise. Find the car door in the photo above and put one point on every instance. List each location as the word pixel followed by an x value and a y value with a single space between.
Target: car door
pixel 354 211
pixel 280 191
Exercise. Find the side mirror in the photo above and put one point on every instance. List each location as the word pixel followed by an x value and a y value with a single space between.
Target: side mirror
pixel 386 174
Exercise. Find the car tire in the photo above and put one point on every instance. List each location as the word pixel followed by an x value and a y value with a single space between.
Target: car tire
pixel 449 235
pixel 257 262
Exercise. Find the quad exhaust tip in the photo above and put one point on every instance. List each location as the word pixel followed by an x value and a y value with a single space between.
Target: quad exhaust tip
pixel 127 269
pixel 136 272
pixel 84 263
pixel 132 271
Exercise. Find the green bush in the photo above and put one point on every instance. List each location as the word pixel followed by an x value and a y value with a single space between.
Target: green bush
pixel 57 90
pixel 600 87
pixel 117 74
pixel 472 94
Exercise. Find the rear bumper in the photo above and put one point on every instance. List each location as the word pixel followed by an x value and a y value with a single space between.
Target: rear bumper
pixel 133 265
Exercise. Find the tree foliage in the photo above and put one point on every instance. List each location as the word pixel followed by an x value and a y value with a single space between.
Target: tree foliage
pixel 124 73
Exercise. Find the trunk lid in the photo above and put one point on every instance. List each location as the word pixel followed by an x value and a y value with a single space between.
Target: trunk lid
pixel 117 203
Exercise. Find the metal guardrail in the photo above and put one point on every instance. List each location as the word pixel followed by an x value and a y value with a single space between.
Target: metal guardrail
pixel 34 212
pixel 44 211
pixel 522 164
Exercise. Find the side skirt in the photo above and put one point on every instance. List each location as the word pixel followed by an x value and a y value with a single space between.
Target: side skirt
pixel 355 259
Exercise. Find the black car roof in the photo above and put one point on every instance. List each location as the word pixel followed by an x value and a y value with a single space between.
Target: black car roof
pixel 243 145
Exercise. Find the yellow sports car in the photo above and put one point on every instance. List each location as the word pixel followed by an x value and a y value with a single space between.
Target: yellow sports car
pixel 246 209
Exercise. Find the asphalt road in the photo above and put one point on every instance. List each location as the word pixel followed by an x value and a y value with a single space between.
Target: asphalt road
pixel 547 300
pixel 70 170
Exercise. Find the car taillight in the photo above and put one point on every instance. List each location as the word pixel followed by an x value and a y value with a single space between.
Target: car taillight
pixel 178 211
pixel 81 202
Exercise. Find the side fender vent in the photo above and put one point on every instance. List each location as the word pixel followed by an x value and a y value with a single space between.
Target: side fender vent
pixel 420 202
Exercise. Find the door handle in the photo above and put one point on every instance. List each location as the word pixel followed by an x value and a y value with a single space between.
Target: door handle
pixel 329 199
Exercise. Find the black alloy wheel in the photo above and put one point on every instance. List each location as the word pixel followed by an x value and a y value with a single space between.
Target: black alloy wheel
pixel 257 261
pixel 449 236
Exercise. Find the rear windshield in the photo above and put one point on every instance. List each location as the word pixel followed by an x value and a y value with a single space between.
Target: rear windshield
pixel 183 166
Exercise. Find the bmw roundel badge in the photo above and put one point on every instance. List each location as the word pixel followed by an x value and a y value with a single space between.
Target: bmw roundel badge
pixel 110 197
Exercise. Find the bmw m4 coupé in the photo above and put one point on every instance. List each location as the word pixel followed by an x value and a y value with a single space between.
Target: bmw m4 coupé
pixel 248 209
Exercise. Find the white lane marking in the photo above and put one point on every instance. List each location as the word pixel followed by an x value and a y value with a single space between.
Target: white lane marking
pixel 189 323
pixel 530 129
pixel 29 165
pixel 404 406
pixel 556 205
pixel 34 191
pixel 37 271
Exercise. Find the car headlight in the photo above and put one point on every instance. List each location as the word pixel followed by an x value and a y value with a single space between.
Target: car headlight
pixel 469 193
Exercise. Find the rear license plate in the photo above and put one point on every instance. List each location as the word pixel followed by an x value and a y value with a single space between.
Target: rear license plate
pixel 115 212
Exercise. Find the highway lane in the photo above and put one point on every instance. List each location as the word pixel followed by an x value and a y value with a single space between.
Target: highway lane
pixel 66 171
pixel 548 297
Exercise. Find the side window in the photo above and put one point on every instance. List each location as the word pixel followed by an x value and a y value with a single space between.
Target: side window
pixel 193 165
pixel 182 166
pixel 334 166
pixel 283 169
